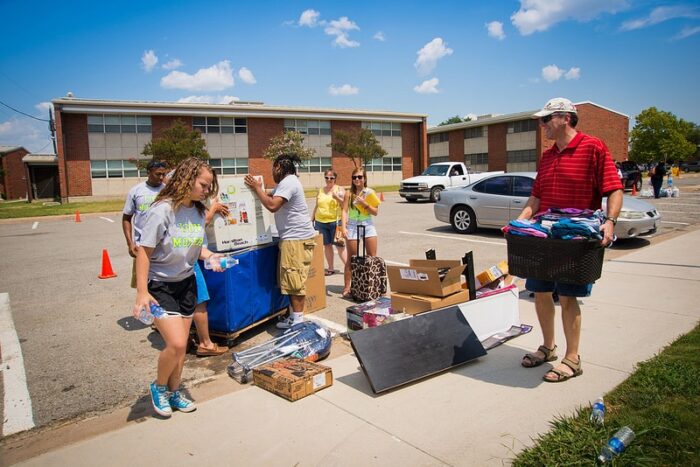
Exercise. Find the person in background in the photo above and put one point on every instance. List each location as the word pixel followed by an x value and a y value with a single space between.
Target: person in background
pixel 576 172
pixel 172 240
pixel 658 173
pixel 138 200
pixel 326 216
pixel 296 232
pixel 358 211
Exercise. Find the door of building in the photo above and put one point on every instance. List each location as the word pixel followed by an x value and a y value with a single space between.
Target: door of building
pixel 44 181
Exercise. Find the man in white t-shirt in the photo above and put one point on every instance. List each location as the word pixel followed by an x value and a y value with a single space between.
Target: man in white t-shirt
pixel 138 201
pixel 296 232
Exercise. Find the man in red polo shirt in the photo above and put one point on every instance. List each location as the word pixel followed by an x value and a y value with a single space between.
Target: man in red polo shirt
pixel 576 172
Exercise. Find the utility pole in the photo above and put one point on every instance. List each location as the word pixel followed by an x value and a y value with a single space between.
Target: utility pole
pixel 52 129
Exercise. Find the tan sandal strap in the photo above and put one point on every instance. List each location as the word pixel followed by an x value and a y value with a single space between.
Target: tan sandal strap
pixel 547 352
pixel 572 364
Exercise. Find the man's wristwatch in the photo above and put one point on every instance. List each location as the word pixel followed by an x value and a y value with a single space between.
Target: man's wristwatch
pixel 611 219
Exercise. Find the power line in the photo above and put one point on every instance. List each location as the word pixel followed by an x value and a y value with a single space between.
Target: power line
pixel 25 114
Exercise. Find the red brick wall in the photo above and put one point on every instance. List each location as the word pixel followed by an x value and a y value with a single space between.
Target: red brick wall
pixel 76 155
pixel 413 136
pixel 498 157
pixel 609 126
pixel 260 132
pixel 159 123
pixel 341 163
pixel 456 145
pixel 14 181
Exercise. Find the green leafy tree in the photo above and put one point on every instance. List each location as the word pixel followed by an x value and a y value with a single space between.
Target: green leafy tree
pixel 455 119
pixel 175 144
pixel 289 142
pixel 659 135
pixel 360 145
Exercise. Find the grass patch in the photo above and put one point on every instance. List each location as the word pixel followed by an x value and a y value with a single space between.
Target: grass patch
pixel 17 209
pixel 659 401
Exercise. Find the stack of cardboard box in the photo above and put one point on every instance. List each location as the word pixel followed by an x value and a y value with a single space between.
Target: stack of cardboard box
pixel 426 285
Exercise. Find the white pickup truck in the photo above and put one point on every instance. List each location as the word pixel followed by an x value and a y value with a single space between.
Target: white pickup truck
pixel 438 177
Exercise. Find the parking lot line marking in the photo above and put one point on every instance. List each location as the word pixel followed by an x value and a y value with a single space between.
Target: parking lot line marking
pixel 107 219
pixel 394 263
pixel 670 222
pixel 35 225
pixel 454 238
pixel 17 403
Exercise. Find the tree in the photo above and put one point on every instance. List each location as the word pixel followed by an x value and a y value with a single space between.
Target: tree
pixel 455 119
pixel 289 142
pixel 659 135
pixel 176 144
pixel 360 145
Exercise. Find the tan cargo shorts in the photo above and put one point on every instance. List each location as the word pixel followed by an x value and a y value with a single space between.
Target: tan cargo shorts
pixel 294 264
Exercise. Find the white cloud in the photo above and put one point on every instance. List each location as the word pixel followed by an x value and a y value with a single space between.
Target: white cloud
pixel 344 90
pixel 43 108
pixel 215 78
pixel 246 76
pixel 540 15
pixel 659 15
pixel 495 29
pixel 430 54
pixel 428 86
pixel 340 28
pixel 687 32
pixel 309 18
pixel 379 35
pixel 172 64
pixel 470 117
pixel 552 73
pixel 149 60
pixel 33 135
pixel 573 73
pixel 206 99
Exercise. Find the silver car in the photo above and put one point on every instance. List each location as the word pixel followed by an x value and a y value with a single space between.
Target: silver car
pixel 495 200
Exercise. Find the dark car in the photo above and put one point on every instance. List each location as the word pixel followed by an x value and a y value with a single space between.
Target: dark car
pixel 631 176
pixel 691 166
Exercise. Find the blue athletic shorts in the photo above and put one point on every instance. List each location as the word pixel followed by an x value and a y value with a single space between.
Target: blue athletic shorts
pixel 564 290
pixel 202 291
pixel 327 229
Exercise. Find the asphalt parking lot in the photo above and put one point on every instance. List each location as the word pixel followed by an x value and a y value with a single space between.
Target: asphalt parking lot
pixel 85 354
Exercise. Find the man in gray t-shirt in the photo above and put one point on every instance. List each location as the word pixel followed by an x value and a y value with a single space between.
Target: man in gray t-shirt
pixel 297 235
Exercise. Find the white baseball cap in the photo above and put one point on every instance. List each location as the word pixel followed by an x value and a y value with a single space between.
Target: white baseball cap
pixel 558 104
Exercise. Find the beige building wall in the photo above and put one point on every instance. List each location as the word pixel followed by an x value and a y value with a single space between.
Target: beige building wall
pixel 477 145
pixel 441 149
pixel 521 141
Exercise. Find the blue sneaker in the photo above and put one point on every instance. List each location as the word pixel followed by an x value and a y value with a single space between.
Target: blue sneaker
pixel 181 403
pixel 159 399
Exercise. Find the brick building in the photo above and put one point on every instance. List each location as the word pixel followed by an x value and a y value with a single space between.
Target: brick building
pixel 13 176
pixel 97 138
pixel 515 142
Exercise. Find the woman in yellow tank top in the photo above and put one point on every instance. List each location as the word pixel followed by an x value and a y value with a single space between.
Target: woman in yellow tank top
pixel 326 217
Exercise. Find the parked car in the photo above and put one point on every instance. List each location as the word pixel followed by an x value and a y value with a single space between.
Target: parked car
pixel 631 175
pixel 436 177
pixel 495 200
pixel 691 166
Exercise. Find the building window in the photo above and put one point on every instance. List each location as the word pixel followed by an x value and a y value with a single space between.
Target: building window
pixel 476 132
pixel 115 169
pixel 384 164
pixel 237 166
pixel 383 128
pixel 522 161
pixel 315 165
pixel 215 125
pixel 119 124
pixel 521 126
pixel 439 137
pixel 308 127
pixel 477 162
pixel 435 160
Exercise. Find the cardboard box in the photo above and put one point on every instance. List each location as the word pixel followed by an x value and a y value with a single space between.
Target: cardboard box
pixel 248 223
pixel 484 278
pixel 293 378
pixel 316 282
pixel 413 304
pixel 423 277
pixel 370 314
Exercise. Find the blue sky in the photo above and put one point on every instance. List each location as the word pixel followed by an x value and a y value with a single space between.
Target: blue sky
pixel 440 58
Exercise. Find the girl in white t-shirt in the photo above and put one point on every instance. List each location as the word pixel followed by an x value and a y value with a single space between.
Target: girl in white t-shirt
pixel 171 242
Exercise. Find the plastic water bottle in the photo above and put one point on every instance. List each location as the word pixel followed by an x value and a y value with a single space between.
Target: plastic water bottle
pixel 148 315
pixel 616 444
pixel 598 411
pixel 225 262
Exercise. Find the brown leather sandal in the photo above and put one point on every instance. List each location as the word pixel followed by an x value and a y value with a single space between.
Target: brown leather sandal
pixel 561 376
pixel 213 352
pixel 533 360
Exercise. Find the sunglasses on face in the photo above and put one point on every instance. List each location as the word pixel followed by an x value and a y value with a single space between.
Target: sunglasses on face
pixel 358 177
pixel 330 178
pixel 546 118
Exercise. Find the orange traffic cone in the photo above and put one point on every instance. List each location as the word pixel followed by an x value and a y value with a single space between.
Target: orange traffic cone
pixel 381 196
pixel 107 272
pixel 77 216
pixel 634 189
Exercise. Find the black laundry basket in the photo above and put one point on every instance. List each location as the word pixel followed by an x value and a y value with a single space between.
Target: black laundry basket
pixel 566 261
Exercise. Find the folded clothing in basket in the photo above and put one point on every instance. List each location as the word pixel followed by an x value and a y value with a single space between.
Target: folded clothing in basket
pixel 561 223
